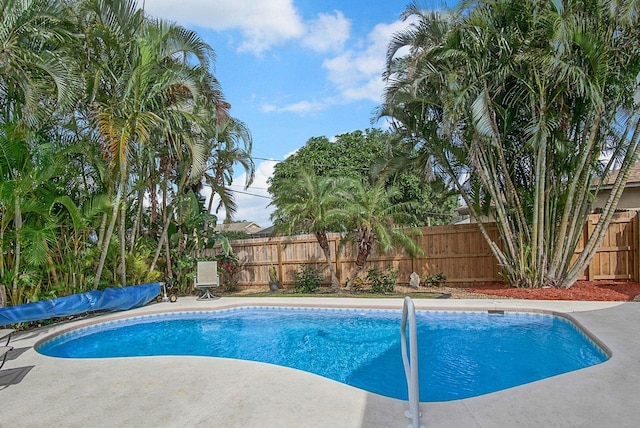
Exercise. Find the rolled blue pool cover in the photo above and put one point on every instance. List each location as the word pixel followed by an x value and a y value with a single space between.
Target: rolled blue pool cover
pixel 109 299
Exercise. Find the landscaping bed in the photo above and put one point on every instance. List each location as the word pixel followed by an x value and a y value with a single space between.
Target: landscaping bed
pixel 581 290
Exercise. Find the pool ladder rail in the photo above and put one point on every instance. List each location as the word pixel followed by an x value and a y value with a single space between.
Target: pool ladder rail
pixel 411 362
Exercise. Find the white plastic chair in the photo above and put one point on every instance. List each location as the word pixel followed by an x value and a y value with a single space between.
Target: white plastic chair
pixel 207 279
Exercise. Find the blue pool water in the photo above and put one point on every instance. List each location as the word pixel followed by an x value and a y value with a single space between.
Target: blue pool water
pixel 461 354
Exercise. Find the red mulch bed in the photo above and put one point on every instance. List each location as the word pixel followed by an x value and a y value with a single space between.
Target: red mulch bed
pixel 581 290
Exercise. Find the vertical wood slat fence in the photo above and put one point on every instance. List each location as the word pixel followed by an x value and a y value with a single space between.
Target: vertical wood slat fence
pixel 617 256
pixel 458 251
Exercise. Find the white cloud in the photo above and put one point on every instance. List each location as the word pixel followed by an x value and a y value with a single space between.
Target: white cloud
pixel 250 207
pixel 301 108
pixel 291 153
pixel 268 108
pixel 358 73
pixel 327 33
pixel 262 24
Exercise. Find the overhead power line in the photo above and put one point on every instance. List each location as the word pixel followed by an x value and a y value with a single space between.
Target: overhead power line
pixel 251 187
pixel 315 164
pixel 253 194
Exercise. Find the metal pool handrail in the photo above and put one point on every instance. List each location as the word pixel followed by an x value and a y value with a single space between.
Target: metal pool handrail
pixel 411 366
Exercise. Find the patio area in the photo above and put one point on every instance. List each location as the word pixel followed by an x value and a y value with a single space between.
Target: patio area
pixel 40 391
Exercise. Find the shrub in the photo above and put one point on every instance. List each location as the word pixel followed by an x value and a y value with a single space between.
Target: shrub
pixel 307 279
pixel 435 280
pixel 358 285
pixel 382 282
pixel 229 267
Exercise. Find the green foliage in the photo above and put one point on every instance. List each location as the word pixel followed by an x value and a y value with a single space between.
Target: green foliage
pixel 435 280
pixel 373 221
pixel 138 268
pixel 382 282
pixel 304 204
pixel 273 274
pixel 524 107
pixel 233 235
pixel 431 204
pixel 307 204
pixel 229 267
pixel 350 155
pixel 110 120
pixel 307 279
pixel 188 238
pixel 359 156
pixel 357 285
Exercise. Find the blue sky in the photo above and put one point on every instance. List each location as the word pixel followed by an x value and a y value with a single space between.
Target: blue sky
pixel 292 70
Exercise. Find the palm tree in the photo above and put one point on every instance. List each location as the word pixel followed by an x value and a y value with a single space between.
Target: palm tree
pixel 145 119
pixel 29 174
pixel 231 144
pixel 36 75
pixel 373 220
pixel 516 102
pixel 147 91
pixel 307 205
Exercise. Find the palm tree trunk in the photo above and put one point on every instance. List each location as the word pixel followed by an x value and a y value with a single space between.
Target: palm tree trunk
pixel 570 223
pixel 16 264
pixel 52 269
pixel 137 221
pixel 363 255
pixel 153 200
pixel 3 289
pixel 168 258
pixel 123 247
pixel 102 230
pixel 324 244
pixel 365 244
pixel 167 220
pixel 107 237
pixel 161 243
pixel 209 206
pixel 591 246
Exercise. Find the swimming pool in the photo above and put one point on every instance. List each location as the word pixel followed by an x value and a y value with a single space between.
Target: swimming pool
pixel 462 354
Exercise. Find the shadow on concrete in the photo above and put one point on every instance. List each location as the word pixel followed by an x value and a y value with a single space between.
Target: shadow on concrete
pixel 16 352
pixel 13 376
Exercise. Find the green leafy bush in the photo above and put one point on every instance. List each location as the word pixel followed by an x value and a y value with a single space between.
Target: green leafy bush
pixel 358 285
pixel 229 267
pixel 435 280
pixel 307 279
pixel 382 282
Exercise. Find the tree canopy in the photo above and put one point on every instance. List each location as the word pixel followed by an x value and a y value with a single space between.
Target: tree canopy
pixel 363 155
pixel 525 106
pixel 342 186
pixel 110 121
pixel 306 203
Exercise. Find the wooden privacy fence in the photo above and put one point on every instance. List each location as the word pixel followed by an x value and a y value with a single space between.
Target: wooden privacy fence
pixel 617 257
pixel 458 251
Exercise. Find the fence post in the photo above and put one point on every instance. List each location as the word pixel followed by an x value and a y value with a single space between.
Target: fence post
pixel 589 231
pixel 279 252
pixel 336 243
pixel 635 237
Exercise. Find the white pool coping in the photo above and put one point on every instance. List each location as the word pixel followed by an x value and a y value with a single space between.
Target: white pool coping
pixel 42 391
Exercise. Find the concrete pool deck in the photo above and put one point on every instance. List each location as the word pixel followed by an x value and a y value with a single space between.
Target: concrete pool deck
pixel 40 391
